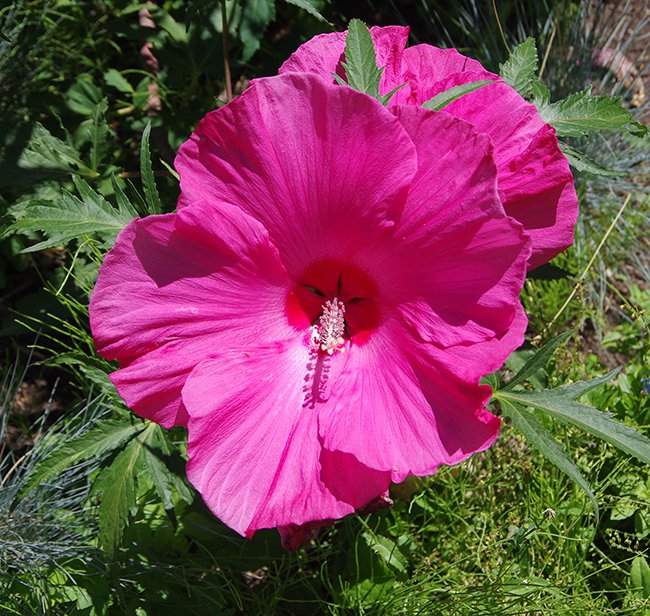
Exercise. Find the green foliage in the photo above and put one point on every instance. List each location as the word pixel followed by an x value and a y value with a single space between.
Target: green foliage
pixel 361 60
pixel 151 196
pixel 105 436
pixel 360 63
pixel 583 114
pixel 521 67
pixel 71 218
pixel 442 99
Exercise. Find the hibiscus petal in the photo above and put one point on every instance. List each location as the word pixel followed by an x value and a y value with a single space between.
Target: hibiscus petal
pixel 424 67
pixel 395 410
pixel 332 169
pixel 172 289
pixel 463 287
pixel 324 53
pixel 535 182
pixel 253 442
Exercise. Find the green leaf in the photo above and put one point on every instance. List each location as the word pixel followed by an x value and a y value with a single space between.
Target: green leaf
pixel 386 549
pixel 582 114
pixel 115 79
pixel 123 202
pixel 117 486
pixel 83 95
pixel 164 480
pixel 526 423
pixel 537 361
pixel 560 404
pixel 640 576
pixel 47 152
pixel 305 5
pixel 581 162
pixel 104 436
pixel 98 132
pixel 520 68
pixel 361 60
pixel 151 196
pixel 256 17
pixel 441 100
pixel 70 218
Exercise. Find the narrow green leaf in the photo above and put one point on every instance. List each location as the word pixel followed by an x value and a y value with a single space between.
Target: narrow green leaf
pixel 581 162
pixel 562 407
pixel 384 99
pixel 98 133
pixel 105 436
pixel 574 390
pixel 520 68
pixel 640 576
pixel 441 100
pixel 386 549
pixel 70 218
pixel 164 480
pixel 305 5
pixel 117 485
pixel 537 361
pixel 582 114
pixel 123 202
pixel 526 423
pixel 151 196
pixel 361 60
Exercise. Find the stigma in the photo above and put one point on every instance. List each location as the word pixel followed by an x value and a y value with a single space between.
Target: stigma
pixel 328 333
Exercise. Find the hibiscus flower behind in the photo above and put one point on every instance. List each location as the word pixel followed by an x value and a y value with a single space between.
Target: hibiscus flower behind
pixel 320 310
pixel 535 182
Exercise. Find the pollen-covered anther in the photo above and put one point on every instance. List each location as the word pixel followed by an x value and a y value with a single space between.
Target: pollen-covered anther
pixel 331 326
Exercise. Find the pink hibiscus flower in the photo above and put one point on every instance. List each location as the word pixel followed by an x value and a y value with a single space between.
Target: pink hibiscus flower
pixel 319 311
pixel 535 182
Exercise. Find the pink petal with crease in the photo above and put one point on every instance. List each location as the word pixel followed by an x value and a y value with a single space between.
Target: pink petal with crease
pixel 172 289
pixel 331 168
pixel 254 449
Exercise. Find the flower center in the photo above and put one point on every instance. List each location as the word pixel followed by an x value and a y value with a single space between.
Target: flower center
pixel 335 301
pixel 331 326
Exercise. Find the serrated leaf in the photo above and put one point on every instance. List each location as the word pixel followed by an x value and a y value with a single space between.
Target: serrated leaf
pixel 520 68
pixel 105 436
pixel 526 423
pixel 386 549
pixel 71 218
pixel 582 114
pixel 361 59
pixel 559 404
pixel 305 5
pixel 151 196
pixel 45 151
pixel 581 162
pixel 537 361
pixel 640 576
pixel 123 202
pixel 117 485
pixel 164 480
pixel 442 99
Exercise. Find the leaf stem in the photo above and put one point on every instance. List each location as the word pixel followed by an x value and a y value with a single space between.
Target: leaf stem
pixel 226 53
pixel 496 15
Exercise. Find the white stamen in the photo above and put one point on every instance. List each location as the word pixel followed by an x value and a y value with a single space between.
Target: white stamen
pixel 331 326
